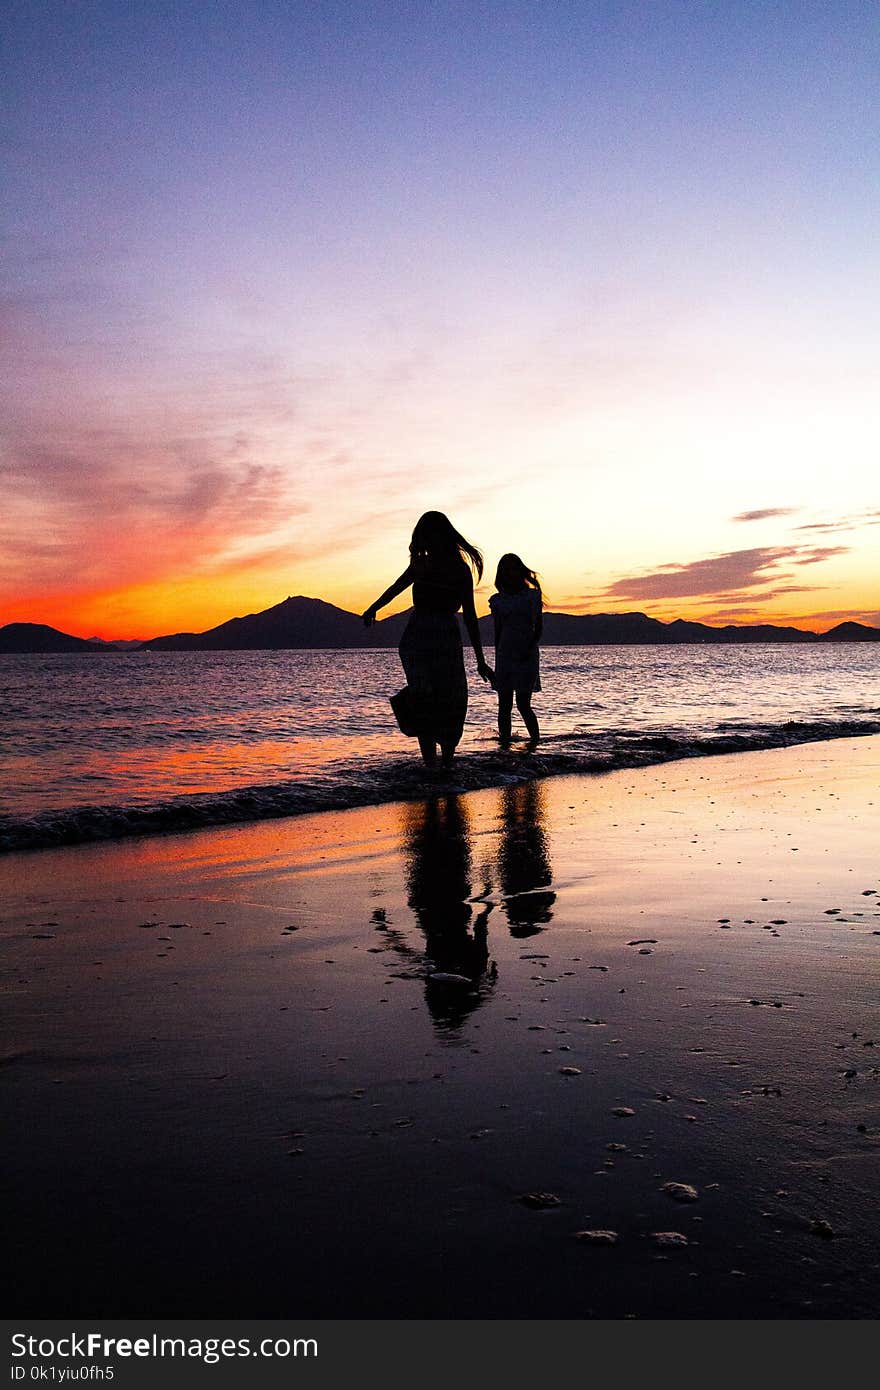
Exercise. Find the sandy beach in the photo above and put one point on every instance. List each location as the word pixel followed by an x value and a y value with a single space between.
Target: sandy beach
pixel 395 1061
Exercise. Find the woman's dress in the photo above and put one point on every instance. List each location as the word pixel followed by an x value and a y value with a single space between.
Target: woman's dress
pixel 431 652
pixel 517 660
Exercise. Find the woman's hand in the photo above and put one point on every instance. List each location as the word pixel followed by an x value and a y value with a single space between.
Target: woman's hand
pixel 369 615
pixel 486 672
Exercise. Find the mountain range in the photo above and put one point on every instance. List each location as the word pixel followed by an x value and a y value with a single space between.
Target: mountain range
pixel 300 622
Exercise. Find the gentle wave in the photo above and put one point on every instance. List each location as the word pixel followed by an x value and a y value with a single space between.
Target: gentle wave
pixel 405 780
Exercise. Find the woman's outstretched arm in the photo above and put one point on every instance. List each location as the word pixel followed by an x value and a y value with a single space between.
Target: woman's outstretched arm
pixel 369 614
pixel 469 613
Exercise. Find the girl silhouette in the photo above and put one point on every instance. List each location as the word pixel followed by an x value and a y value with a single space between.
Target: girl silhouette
pixel 516 610
pixel 439 571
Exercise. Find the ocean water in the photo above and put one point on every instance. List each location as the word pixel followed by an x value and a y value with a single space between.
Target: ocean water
pixel 133 743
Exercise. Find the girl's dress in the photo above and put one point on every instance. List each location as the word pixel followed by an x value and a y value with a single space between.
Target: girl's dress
pixel 517 660
pixel 431 652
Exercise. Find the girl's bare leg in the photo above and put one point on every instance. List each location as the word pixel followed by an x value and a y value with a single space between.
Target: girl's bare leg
pixel 524 705
pixel 505 705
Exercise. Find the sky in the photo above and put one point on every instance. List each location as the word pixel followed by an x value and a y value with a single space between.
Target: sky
pixel 598 279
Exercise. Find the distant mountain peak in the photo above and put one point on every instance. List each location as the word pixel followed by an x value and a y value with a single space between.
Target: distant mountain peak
pixel 851 632
pixel 39 637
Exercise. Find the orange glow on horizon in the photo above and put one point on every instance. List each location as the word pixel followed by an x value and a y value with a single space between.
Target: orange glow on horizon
pixel 198 604
pixel 810 576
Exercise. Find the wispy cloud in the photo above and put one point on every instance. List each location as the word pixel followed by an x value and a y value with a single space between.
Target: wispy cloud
pixel 763 513
pixel 108 509
pixel 744 614
pixel 853 522
pixel 721 574
pixel 123 465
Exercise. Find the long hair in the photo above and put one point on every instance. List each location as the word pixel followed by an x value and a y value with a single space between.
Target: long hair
pixel 511 570
pixel 435 537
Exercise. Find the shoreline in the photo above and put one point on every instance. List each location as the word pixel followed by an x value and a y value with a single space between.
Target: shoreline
pixel 362 785
pixel 238 1087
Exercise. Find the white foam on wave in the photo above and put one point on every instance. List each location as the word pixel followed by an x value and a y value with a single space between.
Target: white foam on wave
pixel 405 780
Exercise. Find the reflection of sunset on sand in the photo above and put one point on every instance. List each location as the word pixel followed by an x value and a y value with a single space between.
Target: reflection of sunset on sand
pixel 453 901
pixel 253 1006
pixel 524 868
pixel 438 861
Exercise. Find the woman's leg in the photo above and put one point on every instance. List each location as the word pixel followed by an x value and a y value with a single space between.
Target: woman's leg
pixel 505 705
pixel 428 748
pixel 524 705
pixel 447 753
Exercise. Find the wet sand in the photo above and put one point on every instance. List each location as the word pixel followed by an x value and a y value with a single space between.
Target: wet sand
pixel 235 1085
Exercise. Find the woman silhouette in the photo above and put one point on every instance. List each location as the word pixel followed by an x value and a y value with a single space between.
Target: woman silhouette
pixel 439 571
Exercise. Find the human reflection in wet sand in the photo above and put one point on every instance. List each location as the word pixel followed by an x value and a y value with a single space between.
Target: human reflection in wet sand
pixel 524 869
pixel 438 870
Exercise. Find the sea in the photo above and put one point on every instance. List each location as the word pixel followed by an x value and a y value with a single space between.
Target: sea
pixel 97 747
